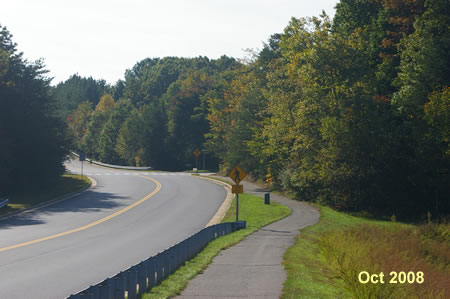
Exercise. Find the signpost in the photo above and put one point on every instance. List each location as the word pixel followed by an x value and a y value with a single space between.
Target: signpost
pixel 196 154
pixel 237 175
pixel 82 158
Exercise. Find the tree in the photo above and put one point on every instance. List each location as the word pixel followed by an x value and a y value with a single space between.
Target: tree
pixel 78 122
pixel 34 141
pixel 154 124
pixel 424 63
pixel 117 114
pixel 75 90
pixel 105 103
pixel 129 144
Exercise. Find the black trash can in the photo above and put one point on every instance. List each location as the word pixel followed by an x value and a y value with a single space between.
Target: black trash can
pixel 267 198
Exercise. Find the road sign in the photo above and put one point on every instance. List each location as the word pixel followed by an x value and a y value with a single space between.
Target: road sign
pixel 82 156
pixel 197 153
pixel 237 175
pixel 237 189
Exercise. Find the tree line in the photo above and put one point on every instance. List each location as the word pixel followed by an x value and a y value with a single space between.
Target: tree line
pixel 351 112
pixel 156 117
pixel 33 139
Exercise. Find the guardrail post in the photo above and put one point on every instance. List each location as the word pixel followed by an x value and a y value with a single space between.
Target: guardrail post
pixel 176 257
pixel 213 233
pixel 151 273
pixel 207 235
pixel 105 290
pixel 165 259
pixel 94 291
pixel 119 285
pixel 170 262
pixel 191 247
pixel 142 277
pixel 204 238
pixel 196 243
pixel 183 253
pixel 132 283
pixel 159 268
pixel 201 237
pixel 173 259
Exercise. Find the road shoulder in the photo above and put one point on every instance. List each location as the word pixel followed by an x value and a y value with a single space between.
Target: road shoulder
pixel 220 214
pixel 52 201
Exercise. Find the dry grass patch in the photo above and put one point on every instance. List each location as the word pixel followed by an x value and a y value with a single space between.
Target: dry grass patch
pixel 385 249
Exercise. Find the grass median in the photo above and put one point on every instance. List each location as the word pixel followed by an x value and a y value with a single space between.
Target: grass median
pixel 24 199
pixel 328 257
pixel 251 209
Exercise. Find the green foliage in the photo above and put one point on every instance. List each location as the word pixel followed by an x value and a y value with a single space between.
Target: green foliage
pixel 437 112
pixel 78 122
pixel 164 118
pixel 235 120
pixel 126 147
pixel 75 90
pixel 117 114
pixel 326 128
pixel 353 14
pixel 351 112
pixel 425 65
pixel 34 142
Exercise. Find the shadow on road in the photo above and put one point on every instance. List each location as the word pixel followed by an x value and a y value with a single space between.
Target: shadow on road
pixel 89 202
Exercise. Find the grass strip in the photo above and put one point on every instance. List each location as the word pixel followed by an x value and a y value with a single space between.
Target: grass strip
pixel 251 209
pixel 24 199
pixel 327 257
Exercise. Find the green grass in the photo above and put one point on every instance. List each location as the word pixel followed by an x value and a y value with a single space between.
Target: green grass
pixel 327 258
pixel 251 209
pixel 24 199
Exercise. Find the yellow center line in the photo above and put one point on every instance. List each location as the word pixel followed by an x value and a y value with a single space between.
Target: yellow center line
pixel 135 204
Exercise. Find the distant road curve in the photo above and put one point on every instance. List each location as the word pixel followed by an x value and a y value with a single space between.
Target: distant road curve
pixel 112 166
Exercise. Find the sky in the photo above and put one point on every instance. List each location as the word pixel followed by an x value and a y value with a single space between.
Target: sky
pixel 103 38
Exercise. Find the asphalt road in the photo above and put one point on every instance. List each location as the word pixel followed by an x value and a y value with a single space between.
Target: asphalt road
pixel 63 248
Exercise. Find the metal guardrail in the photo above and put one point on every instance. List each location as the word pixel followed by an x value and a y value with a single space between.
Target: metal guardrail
pixel 149 273
pixel 113 166
pixel 3 202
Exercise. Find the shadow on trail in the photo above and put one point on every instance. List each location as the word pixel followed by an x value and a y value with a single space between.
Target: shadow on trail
pixel 89 202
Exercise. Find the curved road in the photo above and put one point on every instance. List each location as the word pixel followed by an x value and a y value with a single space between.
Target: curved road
pixel 65 247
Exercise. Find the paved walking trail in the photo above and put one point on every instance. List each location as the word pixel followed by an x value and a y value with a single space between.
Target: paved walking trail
pixel 252 268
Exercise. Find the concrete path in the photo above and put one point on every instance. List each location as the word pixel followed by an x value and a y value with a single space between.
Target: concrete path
pixel 253 268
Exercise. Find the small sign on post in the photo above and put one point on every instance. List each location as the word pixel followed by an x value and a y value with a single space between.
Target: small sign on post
pixel 237 189
pixel 196 154
pixel 237 175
